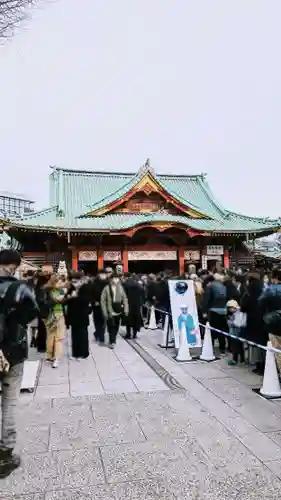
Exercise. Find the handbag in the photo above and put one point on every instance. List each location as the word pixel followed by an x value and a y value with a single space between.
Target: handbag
pixel 117 307
pixel 240 319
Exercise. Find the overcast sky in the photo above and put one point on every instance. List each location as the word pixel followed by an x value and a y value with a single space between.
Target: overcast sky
pixel 101 85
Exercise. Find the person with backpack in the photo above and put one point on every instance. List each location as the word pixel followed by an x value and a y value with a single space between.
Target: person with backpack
pixel 18 308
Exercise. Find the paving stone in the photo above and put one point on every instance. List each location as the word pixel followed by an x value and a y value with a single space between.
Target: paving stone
pixel 244 376
pixel 86 388
pixel 149 397
pixel 33 439
pixel 275 467
pixel 119 386
pixel 224 450
pixel 53 377
pixel 103 430
pixel 80 468
pixel 237 425
pixel 202 370
pixel 63 414
pixel 147 460
pixel 261 446
pixel 39 413
pixel 163 420
pixel 150 384
pixel 108 399
pixel 46 382
pixel 143 490
pixel 255 483
pixel 52 391
pixel 260 413
pixel 96 400
pixel 55 471
pixel 275 436
pixel 61 371
pixel 230 390
pixel 37 473
pixel 75 436
pixel 25 497
pixel 25 399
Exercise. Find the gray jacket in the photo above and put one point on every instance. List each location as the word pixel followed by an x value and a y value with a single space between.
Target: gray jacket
pixel 106 301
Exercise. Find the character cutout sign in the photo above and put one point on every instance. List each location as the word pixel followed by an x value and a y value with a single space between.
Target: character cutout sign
pixel 184 312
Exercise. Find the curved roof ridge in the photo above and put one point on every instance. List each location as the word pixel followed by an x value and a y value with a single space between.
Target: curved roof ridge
pixel 125 174
pixel 207 190
pixel 181 199
pixel 251 217
pixel 136 175
pixel 180 176
pixel 139 175
pixel 36 213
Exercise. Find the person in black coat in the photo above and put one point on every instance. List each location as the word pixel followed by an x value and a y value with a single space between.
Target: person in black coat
pixel 232 291
pixel 40 297
pixel 78 310
pixel 255 329
pixel 135 297
pixel 96 289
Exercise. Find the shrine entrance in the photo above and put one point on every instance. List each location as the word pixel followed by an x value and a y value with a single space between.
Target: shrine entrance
pixel 150 261
pixel 153 267
pixel 87 262
pixel 88 267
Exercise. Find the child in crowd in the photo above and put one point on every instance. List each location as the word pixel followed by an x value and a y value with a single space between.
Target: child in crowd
pixel 235 321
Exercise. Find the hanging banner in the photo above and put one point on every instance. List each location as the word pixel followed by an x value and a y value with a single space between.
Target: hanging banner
pixel 204 262
pixel 192 255
pixel 184 312
pixel 87 255
pixel 111 255
pixel 152 255
pixel 214 250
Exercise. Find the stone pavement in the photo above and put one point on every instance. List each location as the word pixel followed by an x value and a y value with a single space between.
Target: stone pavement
pixel 104 372
pixel 214 439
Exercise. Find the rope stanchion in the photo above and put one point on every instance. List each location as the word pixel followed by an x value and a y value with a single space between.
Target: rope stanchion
pixel 227 334
pixel 245 341
pixel 271 386
pixel 208 349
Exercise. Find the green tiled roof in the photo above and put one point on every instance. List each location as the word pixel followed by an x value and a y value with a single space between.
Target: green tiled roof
pixel 73 194
pixel 125 221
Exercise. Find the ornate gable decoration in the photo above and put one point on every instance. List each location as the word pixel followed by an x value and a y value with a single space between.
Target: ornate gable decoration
pixel 146 185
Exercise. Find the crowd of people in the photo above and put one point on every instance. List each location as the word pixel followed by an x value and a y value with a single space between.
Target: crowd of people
pixel 247 304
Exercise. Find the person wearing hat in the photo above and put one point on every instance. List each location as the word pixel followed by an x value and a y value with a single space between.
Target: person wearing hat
pixel 114 303
pixel 235 321
pixel 97 288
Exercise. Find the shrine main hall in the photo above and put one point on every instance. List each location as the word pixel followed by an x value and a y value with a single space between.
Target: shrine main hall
pixel 147 221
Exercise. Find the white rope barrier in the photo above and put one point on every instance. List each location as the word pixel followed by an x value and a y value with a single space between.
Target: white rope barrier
pixel 226 334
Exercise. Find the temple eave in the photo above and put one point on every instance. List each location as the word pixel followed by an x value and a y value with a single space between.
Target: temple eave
pixel 134 228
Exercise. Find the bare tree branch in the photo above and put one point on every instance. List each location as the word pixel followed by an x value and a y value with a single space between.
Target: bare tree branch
pixel 12 13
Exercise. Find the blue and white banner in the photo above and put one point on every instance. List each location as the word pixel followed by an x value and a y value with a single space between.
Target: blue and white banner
pixel 184 312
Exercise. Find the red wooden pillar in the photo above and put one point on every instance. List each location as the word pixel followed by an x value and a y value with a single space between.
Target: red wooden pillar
pixel 125 260
pixel 100 258
pixel 181 261
pixel 226 262
pixel 74 262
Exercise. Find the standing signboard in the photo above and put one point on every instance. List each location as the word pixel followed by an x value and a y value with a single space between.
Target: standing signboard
pixel 184 312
